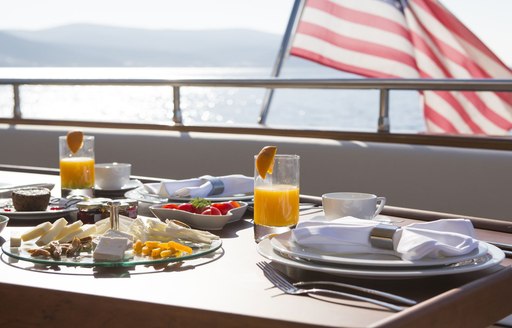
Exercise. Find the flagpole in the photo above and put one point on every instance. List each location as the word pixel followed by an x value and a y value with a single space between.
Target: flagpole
pixel 283 51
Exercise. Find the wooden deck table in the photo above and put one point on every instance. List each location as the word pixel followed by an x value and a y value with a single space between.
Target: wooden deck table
pixel 226 289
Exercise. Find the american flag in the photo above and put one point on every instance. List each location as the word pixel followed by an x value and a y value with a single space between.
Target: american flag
pixel 409 39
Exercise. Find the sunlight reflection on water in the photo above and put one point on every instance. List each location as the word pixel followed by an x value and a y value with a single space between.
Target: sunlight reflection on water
pixel 297 108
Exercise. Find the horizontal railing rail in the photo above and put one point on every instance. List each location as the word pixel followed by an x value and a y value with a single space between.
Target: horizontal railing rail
pixel 384 86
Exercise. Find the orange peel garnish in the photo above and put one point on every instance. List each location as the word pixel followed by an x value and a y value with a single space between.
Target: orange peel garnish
pixel 265 160
pixel 75 140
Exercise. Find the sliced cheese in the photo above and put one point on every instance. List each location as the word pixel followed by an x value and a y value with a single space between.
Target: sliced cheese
pixel 69 229
pixel 50 235
pixel 69 236
pixel 87 231
pixel 36 231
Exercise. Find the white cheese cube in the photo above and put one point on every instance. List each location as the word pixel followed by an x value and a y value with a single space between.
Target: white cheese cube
pixel 110 249
pixel 116 233
pixel 15 239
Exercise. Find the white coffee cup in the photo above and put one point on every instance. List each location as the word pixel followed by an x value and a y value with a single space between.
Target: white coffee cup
pixel 112 176
pixel 356 204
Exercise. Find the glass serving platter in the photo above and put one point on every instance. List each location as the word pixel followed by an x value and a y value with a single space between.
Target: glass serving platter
pixel 85 259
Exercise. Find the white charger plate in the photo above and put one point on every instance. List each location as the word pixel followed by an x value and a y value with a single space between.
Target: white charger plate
pixel 284 244
pixel 492 257
pixel 142 195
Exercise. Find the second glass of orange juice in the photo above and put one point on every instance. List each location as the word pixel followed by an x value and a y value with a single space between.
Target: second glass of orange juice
pixel 276 197
pixel 77 168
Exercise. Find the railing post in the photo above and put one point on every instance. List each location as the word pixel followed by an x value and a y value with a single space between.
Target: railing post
pixel 176 118
pixel 16 110
pixel 283 50
pixel 383 125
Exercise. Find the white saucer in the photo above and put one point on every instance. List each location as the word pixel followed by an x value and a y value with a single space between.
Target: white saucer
pixel 132 184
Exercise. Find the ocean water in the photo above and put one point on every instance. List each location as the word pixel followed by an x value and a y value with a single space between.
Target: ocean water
pixel 349 110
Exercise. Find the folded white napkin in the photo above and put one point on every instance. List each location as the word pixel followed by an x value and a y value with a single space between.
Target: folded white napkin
pixel 203 186
pixel 436 239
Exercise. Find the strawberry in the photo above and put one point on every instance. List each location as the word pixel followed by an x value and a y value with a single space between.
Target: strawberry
pixel 200 204
pixel 224 208
pixel 210 210
pixel 187 207
pixel 170 206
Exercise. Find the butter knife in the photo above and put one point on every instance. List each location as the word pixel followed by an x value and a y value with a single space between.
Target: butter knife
pixel 6 192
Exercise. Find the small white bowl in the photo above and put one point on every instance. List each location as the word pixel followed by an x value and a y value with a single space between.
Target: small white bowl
pixel 199 221
pixel 3 222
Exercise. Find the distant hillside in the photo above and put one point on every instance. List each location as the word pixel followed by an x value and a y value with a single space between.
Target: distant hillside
pixel 93 45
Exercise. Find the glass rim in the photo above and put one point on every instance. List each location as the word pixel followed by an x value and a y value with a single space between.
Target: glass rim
pixel 85 137
pixel 284 156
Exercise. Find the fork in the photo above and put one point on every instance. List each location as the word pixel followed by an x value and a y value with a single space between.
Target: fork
pixel 284 285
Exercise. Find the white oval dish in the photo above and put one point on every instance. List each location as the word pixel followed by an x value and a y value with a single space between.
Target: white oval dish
pixel 199 221
pixel 3 222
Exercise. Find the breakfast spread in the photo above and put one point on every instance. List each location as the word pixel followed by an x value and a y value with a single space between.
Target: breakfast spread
pixel 140 238
pixel 110 235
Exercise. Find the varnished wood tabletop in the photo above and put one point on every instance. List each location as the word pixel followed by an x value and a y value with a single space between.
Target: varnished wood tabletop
pixel 227 289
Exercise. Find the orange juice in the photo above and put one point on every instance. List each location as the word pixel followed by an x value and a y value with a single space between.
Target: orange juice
pixel 77 173
pixel 276 205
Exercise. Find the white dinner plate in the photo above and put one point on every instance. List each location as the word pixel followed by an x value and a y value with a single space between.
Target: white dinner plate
pixel 33 215
pixel 492 257
pixel 284 244
pixel 142 195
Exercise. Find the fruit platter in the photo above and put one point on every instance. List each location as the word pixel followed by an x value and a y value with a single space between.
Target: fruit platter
pixel 201 213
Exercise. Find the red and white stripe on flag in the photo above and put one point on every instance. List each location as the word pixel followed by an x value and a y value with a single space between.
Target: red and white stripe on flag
pixel 382 39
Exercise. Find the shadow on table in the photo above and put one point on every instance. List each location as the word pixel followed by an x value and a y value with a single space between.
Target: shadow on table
pixel 231 230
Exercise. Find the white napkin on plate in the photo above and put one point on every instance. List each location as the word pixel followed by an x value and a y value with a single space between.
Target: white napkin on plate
pixel 436 239
pixel 202 186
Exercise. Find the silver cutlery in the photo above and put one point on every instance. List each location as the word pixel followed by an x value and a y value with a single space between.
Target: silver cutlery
pixel 10 188
pixel 287 287
pixel 502 246
pixel 370 291
pixel 6 192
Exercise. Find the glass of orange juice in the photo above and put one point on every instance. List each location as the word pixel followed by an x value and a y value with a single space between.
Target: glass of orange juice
pixel 276 197
pixel 77 167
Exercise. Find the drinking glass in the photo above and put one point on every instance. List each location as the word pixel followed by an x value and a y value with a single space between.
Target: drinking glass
pixel 276 198
pixel 77 169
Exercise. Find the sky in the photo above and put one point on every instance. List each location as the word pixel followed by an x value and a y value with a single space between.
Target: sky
pixel 488 19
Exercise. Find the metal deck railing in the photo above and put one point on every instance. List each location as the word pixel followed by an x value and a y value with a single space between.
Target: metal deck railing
pixel 384 86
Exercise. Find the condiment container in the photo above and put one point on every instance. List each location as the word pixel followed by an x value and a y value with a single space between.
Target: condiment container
pixel 91 211
pixel 97 209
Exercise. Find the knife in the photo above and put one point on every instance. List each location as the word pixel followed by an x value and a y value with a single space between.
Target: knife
pixel 5 192
pixel 506 248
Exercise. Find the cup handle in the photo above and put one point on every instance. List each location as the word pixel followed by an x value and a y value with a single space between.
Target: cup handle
pixel 382 201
